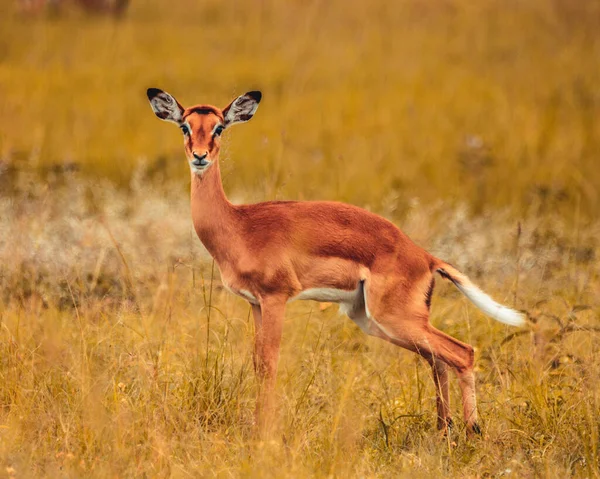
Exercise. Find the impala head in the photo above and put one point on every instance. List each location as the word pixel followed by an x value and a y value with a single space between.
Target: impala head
pixel 202 125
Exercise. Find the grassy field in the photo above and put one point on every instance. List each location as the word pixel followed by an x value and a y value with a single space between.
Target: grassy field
pixel 472 125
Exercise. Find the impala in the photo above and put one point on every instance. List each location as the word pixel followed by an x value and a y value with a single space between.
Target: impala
pixel 274 252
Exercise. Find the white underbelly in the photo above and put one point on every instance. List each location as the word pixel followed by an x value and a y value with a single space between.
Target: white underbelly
pixel 352 303
pixel 330 295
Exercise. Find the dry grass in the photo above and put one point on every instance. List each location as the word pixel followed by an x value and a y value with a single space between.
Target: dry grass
pixel 121 357
pixel 471 125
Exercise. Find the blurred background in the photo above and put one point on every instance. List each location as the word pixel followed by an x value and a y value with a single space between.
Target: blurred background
pixel 473 125
pixel 491 103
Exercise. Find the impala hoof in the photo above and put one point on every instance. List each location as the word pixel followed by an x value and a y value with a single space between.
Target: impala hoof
pixel 444 425
pixel 476 429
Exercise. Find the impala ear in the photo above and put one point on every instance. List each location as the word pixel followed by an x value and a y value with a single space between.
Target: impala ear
pixel 165 106
pixel 242 108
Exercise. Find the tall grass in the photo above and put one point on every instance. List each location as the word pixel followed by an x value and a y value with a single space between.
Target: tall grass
pixel 121 354
pixel 470 124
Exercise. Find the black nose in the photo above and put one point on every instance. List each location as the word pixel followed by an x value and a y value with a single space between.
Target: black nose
pixel 200 160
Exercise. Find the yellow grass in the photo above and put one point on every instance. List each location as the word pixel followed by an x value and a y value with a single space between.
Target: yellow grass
pixel 121 355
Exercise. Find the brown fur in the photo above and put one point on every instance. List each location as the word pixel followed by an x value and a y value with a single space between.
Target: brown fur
pixel 275 250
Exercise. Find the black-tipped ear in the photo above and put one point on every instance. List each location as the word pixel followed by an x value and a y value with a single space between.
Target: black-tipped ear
pixel 152 92
pixel 255 95
pixel 242 108
pixel 165 106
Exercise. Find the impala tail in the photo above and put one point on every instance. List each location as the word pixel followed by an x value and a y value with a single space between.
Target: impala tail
pixel 479 298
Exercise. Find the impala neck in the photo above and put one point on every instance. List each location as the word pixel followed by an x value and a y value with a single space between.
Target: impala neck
pixel 212 213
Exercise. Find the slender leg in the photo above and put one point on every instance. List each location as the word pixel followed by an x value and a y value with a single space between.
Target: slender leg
pixel 440 378
pixel 268 320
pixel 437 348
pixel 257 314
pixel 401 315
pixel 466 380
pixel 460 357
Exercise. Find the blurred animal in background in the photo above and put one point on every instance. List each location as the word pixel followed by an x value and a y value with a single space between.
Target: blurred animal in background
pixel 105 7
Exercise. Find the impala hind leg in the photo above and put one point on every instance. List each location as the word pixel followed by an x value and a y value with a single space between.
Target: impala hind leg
pixel 407 325
pixel 437 347
pixel 268 325
pixel 440 350
pixel 442 390
pixel 359 314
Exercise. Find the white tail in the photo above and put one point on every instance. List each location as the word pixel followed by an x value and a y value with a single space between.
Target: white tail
pixel 486 304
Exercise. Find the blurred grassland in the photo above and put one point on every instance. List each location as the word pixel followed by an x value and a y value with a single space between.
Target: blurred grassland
pixel 492 103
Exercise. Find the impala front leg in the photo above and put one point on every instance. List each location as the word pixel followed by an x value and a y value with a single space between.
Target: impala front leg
pixel 268 322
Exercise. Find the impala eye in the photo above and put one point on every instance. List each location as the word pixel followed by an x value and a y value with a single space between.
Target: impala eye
pixel 185 129
pixel 218 130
